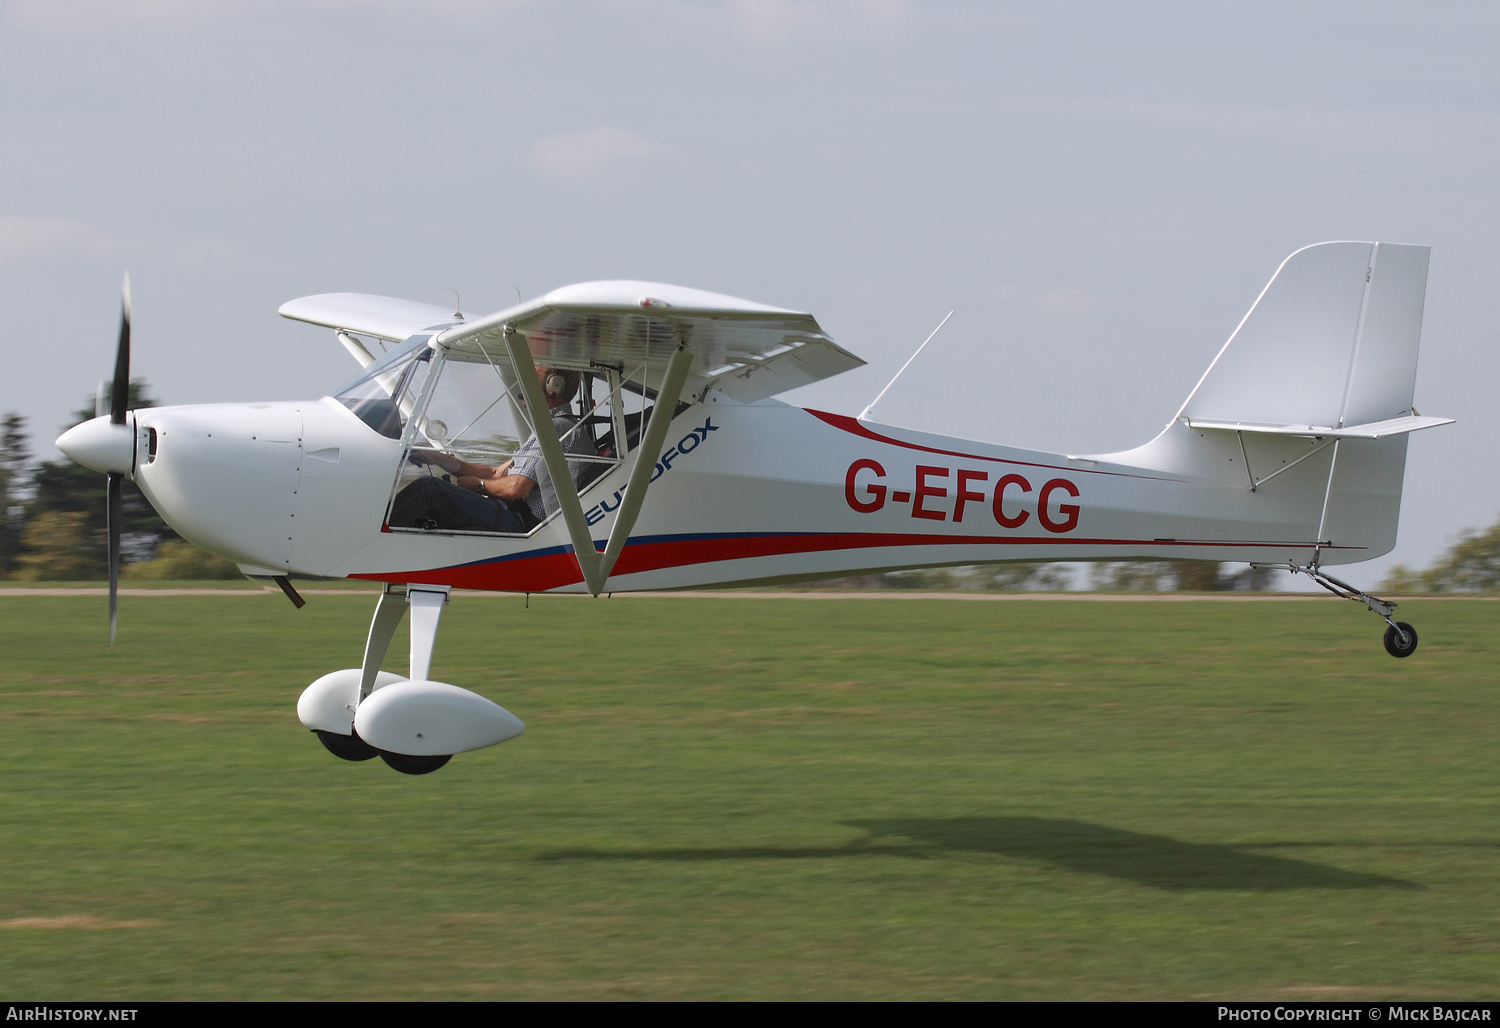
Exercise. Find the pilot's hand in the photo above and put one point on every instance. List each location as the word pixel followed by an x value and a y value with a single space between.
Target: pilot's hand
pixel 422 458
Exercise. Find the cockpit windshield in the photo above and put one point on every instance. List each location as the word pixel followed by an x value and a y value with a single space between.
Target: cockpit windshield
pixel 382 395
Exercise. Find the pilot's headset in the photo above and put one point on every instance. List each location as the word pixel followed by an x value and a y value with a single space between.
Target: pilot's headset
pixel 560 385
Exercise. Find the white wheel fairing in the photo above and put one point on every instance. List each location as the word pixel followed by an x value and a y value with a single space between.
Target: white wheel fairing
pixel 328 704
pixel 423 719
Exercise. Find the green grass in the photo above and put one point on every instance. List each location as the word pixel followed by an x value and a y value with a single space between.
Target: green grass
pixel 765 798
pixel 128 585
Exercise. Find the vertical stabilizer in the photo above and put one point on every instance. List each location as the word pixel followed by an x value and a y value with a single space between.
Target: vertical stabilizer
pixel 1331 342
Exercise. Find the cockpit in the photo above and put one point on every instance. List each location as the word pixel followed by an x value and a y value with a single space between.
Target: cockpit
pixel 464 426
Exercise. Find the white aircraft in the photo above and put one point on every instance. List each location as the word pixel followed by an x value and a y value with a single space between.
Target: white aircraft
pixel 680 470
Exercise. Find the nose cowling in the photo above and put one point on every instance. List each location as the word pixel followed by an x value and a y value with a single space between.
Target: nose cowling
pixel 224 476
pixel 100 445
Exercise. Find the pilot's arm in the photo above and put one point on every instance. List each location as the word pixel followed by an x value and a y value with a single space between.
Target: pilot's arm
pixel 481 478
pixel 500 484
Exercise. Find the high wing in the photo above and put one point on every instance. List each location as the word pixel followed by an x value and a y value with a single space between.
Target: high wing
pixel 671 342
pixel 383 317
pixel 746 350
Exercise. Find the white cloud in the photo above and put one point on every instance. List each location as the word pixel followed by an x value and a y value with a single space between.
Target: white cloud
pixel 582 155
pixel 22 238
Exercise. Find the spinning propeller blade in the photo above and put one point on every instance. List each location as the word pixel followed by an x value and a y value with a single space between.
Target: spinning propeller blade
pixel 113 510
pixel 121 392
pixel 115 500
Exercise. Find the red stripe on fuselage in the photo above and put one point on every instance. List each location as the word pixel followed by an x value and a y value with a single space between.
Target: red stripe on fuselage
pixel 556 570
pixel 856 427
pixel 522 575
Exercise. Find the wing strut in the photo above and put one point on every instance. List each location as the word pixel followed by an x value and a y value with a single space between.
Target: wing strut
pixel 645 457
pixel 596 570
pixel 557 464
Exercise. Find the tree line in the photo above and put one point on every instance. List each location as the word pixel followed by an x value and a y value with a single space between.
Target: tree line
pixel 1470 565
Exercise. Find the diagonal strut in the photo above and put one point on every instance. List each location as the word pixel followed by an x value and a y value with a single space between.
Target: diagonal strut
pixel 645 458
pixel 557 463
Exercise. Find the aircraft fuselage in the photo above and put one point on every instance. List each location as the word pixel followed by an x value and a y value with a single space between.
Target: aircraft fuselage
pixel 740 494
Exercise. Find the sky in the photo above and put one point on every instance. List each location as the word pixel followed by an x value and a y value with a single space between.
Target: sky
pixel 1098 191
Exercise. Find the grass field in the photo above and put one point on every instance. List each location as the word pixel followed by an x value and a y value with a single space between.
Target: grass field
pixel 759 798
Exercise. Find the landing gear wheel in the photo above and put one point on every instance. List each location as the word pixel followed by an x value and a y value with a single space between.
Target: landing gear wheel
pixel 1395 645
pixel 410 765
pixel 350 747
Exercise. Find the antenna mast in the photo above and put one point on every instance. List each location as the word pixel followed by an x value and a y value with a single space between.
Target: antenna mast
pixel 866 412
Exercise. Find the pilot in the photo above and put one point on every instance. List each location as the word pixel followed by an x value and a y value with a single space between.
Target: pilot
pixel 514 497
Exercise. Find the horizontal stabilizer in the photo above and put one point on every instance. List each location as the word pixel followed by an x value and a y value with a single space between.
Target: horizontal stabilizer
pixel 1372 430
pixel 383 317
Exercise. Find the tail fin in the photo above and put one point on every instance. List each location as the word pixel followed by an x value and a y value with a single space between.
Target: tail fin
pixel 1318 377
pixel 1332 341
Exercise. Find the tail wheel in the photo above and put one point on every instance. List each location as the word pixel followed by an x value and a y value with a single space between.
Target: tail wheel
pixel 349 747
pixel 410 765
pixel 1401 640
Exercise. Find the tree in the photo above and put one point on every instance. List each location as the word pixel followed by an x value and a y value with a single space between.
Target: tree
pixel 55 549
pixel 1402 579
pixel 1023 576
pixel 1471 565
pixel 15 487
pixel 1195 576
pixel 64 487
pixel 922 579
pixel 1015 576
pixel 179 560
pixel 1131 576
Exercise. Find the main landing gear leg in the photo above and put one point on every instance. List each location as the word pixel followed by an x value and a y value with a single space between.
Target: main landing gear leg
pixel 426 604
pixel 413 724
pixel 1400 637
pixel 388 612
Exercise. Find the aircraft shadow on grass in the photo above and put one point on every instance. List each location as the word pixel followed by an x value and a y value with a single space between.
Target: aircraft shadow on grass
pixel 1154 861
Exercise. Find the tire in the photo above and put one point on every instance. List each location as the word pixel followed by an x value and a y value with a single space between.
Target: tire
pixel 1393 644
pixel 409 765
pixel 349 747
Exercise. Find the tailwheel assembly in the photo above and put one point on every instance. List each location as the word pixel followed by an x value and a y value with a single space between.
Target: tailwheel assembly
pixel 1400 637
